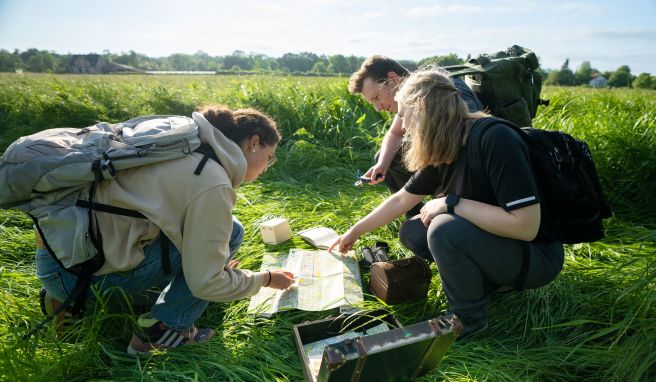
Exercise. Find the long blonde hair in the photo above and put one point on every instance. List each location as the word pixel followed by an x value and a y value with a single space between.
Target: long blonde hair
pixel 440 121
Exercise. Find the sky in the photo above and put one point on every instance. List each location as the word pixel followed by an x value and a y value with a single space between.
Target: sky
pixel 606 33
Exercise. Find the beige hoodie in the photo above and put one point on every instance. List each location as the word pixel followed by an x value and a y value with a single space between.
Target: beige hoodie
pixel 194 211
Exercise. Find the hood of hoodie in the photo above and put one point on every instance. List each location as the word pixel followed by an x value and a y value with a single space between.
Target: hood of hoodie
pixel 229 153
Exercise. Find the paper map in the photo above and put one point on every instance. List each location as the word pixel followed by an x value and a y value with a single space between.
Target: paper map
pixel 323 281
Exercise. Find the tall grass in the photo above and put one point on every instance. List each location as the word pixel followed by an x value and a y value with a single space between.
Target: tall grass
pixel 596 321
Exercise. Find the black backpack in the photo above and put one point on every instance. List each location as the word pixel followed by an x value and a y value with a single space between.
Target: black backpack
pixel 507 83
pixel 572 202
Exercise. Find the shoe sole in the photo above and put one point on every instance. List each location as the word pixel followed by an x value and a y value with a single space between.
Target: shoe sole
pixel 133 351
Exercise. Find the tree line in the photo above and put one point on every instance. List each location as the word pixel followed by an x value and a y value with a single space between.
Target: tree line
pixel 35 60
pixel 621 77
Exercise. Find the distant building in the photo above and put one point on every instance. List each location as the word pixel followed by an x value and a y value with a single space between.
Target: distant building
pixel 96 64
pixel 598 81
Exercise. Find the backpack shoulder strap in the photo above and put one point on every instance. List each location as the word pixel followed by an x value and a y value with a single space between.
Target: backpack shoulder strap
pixel 477 131
pixel 208 153
pixel 464 70
pixel 475 135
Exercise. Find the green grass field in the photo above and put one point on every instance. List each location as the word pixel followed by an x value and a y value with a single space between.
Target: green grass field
pixel 595 322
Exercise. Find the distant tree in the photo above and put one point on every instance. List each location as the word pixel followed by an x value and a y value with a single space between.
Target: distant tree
pixel 642 81
pixel 338 64
pixel 201 60
pixel 273 64
pixel 61 62
pixel 320 67
pixel 542 72
pixel 26 55
pixel 621 77
pixel 137 60
pixel 653 82
pixel 552 77
pixel 9 62
pixel 449 59
pixel 262 63
pixel 354 63
pixel 180 61
pixel 606 74
pixel 41 61
pixel 583 73
pixel 562 77
pixel 301 62
pixel 238 59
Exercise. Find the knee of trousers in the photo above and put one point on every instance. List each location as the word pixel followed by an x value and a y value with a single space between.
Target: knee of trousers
pixel 411 233
pixel 237 235
pixel 445 233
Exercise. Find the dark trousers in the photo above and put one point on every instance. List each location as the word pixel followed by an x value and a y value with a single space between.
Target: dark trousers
pixel 473 263
pixel 396 177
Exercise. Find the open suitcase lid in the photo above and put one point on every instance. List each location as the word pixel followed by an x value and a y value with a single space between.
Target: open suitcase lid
pixel 397 355
pixel 400 354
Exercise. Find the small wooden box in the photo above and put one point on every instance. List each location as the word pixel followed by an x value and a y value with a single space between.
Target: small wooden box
pixel 275 231
pixel 400 280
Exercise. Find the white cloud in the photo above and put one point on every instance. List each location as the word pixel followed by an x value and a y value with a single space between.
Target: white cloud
pixel 269 7
pixel 624 34
pixel 439 10
pixel 503 7
pixel 373 15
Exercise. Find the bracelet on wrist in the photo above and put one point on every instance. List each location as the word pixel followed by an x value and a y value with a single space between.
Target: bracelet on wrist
pixel 269 283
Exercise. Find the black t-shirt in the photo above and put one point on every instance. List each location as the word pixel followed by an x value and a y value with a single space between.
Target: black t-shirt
pixel 504 177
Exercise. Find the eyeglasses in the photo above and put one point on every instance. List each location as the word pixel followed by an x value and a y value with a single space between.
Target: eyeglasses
pixel 379 88
pixel 272 159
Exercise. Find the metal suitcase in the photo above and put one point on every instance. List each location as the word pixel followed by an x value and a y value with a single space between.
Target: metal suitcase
pixel 400 354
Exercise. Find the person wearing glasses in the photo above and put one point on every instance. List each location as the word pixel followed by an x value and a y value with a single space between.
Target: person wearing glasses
pixel 378 80
pixel 192 215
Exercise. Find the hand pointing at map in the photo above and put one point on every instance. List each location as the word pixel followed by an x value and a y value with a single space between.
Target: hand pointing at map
pixel 345 242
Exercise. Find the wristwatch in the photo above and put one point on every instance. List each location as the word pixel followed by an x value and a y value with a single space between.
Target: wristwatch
pixel 451 201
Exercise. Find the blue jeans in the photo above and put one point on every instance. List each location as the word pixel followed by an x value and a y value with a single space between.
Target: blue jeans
pixel 176 306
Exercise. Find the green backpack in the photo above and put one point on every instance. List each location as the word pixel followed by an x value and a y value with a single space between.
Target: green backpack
pixel 506 82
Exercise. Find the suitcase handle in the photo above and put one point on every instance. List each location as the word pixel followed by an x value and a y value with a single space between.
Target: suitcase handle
pixel 357 345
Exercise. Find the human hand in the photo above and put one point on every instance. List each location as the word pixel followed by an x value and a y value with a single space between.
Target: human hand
pixel 279 279
pixel 432 209
pixel 376 174
pixel 345 242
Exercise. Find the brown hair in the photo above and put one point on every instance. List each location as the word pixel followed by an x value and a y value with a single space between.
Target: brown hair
pixel 440 120
pixel 241 124
pixel 376 68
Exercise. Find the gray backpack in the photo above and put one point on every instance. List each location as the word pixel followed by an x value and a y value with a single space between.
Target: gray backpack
pixel 52 175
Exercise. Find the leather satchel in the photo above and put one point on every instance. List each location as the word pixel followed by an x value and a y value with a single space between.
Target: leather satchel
pixel 400 280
